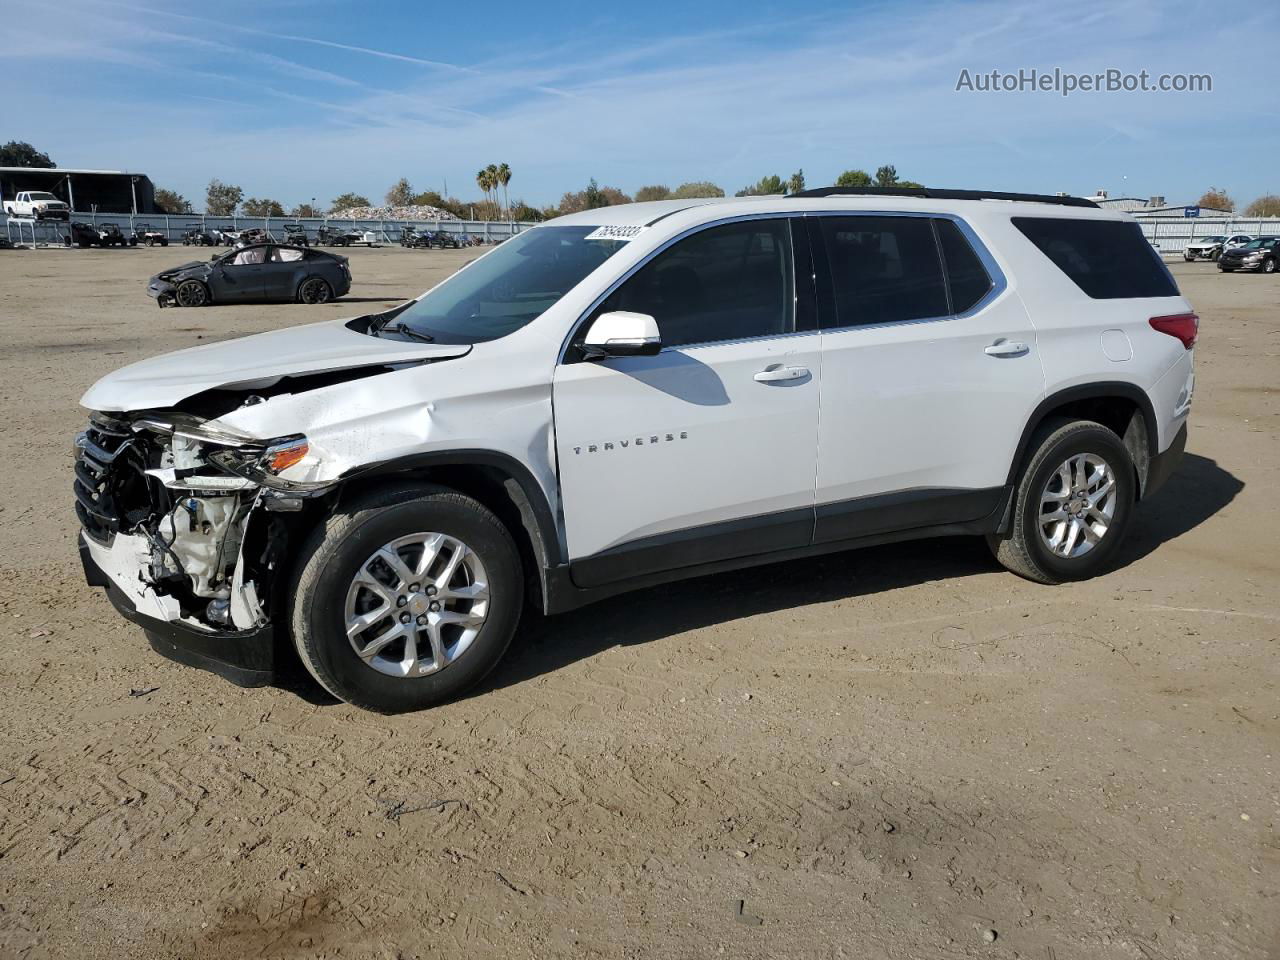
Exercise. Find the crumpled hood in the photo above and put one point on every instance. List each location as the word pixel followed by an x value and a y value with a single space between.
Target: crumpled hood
pixel 175 271
pixel 255 361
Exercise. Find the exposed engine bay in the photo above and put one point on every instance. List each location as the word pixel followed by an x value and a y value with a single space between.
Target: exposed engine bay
pixel 186 518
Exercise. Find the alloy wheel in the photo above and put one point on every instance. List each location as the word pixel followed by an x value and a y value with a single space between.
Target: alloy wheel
pixel 416 605
pixel 1077 506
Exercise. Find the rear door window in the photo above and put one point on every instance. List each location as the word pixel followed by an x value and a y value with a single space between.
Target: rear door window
pixel 883 269
pixel 1107 259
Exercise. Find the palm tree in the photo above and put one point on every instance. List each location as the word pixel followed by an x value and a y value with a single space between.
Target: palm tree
pixel 483 182
pixel 504 177
pixel 492 171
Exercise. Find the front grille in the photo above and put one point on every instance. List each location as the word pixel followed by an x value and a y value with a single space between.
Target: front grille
pixel 108 468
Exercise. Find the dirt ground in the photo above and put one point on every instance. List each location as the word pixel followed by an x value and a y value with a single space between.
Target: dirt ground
pixel 879 754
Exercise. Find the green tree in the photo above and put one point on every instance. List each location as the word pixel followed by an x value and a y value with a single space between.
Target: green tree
pixel 694 189
pixel 765 187
pixel 17 153
pixel 591 198
pixel 222 199
pixel 400 194
pixel 522 212
pixel 854 178
pixel 345 201
pixel 1218 199
pixel 253 207
pixel 887 176
pixel 909 183
pixel 170 201
pixel 430 198
pixel 653 192
pixel 305 210
pixel 796 182
pixel 1265 206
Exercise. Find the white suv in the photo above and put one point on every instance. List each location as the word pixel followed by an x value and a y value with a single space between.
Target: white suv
pixel 633 395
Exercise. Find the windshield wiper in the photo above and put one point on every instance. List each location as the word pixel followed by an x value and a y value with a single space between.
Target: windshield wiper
pixel 403 328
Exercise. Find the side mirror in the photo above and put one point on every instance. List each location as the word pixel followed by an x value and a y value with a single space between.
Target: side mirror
pixel 622 334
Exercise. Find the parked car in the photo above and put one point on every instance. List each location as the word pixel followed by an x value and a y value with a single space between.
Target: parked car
pixel 264 272
pixel 335 236
pixel 1259 255
pixel 97 235
pixel 38 205
pixel 410 237
pixel 144 234
pixel 196 235
pixel 1210 248
pixel 627 396
pixel 443 239
pixel 295 234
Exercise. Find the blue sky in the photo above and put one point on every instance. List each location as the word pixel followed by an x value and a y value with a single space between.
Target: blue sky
pixel 294 100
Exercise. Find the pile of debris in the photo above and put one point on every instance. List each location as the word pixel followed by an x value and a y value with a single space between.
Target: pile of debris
pixel 411 211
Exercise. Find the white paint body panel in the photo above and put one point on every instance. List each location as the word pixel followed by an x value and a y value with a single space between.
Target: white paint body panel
pixel 901 406
pixel 737 447
pixel 921 405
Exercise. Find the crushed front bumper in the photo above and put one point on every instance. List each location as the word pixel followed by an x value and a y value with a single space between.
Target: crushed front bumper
pixel 244 657
pixel 161 291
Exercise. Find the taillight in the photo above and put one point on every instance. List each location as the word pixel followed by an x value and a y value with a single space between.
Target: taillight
pixel 1184 326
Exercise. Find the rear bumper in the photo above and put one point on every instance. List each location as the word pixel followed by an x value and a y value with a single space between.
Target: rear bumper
pixel 244 657
pixel 1163 465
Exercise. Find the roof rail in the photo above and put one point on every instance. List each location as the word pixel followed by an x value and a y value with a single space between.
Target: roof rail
pixel 933 193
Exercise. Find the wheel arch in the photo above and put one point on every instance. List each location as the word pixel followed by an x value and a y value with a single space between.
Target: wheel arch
pixel 1121 406
pixel 498 481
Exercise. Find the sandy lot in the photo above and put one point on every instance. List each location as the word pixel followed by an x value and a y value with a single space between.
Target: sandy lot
pixel 879 754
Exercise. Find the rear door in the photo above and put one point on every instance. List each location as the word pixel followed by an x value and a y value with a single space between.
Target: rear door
pixel 706 451
pixel 930 369
pixel 283 272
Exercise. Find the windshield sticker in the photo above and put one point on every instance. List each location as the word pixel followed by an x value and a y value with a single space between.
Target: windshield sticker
pixel 615 232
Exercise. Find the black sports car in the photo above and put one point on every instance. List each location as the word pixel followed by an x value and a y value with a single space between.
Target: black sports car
pixel 263 272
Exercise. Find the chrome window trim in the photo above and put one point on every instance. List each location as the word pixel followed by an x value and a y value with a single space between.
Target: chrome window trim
pixel 999 282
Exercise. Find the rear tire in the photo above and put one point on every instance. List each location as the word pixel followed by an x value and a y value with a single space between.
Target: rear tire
pixel 330 596
pixel 1073 505
pixel 314 290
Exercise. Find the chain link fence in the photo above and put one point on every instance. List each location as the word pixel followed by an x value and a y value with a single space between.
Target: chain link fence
pixel 1172 235
pixel 173 227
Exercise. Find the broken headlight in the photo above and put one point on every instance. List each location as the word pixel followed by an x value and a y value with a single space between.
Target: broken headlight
pixel 263 465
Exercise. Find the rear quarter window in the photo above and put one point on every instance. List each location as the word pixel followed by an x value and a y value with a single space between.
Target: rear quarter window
pixel 1107 259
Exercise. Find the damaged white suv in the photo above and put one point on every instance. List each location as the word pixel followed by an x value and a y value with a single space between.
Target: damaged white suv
pixel 628 396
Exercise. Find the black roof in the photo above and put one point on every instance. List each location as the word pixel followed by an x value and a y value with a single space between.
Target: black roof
pixel 936 193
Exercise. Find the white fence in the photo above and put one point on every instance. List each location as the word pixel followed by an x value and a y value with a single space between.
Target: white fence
pixel 1171 235
pixel 174 226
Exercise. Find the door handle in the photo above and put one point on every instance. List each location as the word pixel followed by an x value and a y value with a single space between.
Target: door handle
pixel 776 373
pixel 1007 348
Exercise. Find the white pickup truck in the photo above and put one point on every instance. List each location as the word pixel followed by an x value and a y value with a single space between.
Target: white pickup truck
pixel 38 205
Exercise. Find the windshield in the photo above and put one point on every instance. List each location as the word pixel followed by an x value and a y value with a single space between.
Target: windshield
pixel 1260 243
pixel 1211 239
pixel 42 196
pixel 501 292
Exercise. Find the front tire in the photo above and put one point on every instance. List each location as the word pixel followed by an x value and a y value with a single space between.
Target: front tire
pixel 406 598
pixel 191 293
pixel 1073 505
pixel 1269 265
